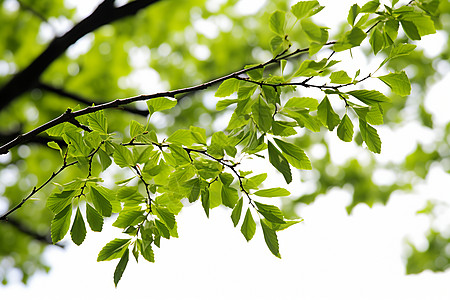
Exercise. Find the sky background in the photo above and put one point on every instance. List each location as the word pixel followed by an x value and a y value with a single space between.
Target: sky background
pixel 330 255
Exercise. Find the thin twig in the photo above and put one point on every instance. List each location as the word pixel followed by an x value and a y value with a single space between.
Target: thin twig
pixel 65 165
pixel 68 116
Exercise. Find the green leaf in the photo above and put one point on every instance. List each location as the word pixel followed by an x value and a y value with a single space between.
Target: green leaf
pixel 161 103
pixel 122 156
pixel 163 230
pixel 120 268
pixel 95 220
pixel 282 128
pixel 181 137
pixel 340 77
pixel 248 227
pixel 369 97
pixel 310 68
pixel 105 160
pixel 229 196
pixel 287 224
pixel 254 181
pixel 76 142
pixel 313 32
pixel 279 162
pixel 345 129
pixel 352 38
pixel 375 115
pixel 270 237
pixel 302 102
pixel 57 130
pixel 198 135
pixel 147 251
pixel 326 114
pixel 246 90
pixel 195 189
pixel 370 7
pixel 275 43
pixel 136 128
pixel 370 136
pixel 377 41
pixel 398 82
pixel 58 201
pixel 78 231
pixel 129 218
pixel 270 212
pixel 61 224
pixel 410 29
pixel 222 104
pixel 227 87
pixel 401 50
pixel 303 118
pixel 113 249
pixel 101 204
pixel 276 22
pixel 226 178
pixel 219 143
pixel 304 9
pixel 97 122
pixel 262 114
pixel 294 154
pixel 353 13
pixel 237 211
pixel 166 216
pixel 273 192
pixel 391 31
pixel 205 201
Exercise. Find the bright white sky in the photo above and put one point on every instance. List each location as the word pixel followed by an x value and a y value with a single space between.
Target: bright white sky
pixel 329 256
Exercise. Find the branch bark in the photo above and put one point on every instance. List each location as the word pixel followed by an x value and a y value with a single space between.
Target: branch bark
pixel 28 78
pixel 46 239
pixel 70 116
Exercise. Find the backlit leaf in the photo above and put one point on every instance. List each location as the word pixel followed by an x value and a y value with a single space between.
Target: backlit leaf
pixel 273 192
pixel 370 136
pixel 279 162
pixel 398 82
pixel 304 8
pixel 237 211
pixel 227 87
pixel 248 227
pixel 95 220
pixel 78 231
pixel 120 268
pixel 326 114
pixel 276 22
pixel 161 103
pixel 270 237
pixel 345 129
pixel 113 249
pixel 61 224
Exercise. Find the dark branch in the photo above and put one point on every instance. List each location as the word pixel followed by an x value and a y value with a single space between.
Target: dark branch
pixel 28 78
pixel 68 116
pixel 41 140
pixel 304 83
pixel 81 99
pixel 37 236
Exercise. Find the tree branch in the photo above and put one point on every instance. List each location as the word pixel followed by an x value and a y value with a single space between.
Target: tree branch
pixel 81 99
pixel 28 78
pixel 37 236
pixel 69 115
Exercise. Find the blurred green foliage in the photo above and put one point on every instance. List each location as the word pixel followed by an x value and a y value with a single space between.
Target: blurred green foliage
pixel 169 41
